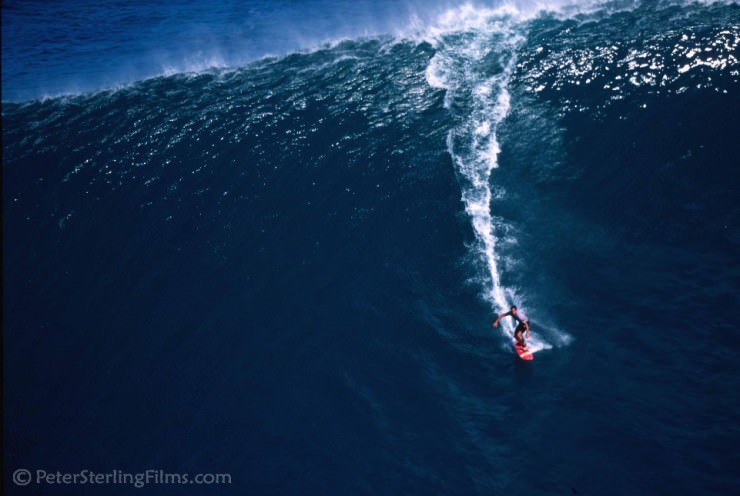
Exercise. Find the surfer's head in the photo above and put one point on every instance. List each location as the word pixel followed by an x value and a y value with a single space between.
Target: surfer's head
pixel 513 309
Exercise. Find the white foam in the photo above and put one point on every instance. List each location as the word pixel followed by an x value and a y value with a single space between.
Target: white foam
pixel 464 38
pixel 433 77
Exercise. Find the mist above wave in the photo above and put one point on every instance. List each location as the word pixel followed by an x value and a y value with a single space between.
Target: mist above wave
pixel 75 47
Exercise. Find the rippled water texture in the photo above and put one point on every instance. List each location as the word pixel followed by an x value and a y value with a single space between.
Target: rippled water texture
pixel 285 268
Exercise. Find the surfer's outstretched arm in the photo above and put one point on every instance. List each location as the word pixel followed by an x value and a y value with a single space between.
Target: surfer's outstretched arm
pixel 495 324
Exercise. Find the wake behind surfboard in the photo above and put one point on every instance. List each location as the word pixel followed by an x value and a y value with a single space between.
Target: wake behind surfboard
pixel 523 352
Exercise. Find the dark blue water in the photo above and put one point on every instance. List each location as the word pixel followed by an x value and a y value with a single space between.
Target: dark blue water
pixel 285 269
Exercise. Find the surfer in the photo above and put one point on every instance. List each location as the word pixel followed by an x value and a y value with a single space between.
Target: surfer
pixel 522 326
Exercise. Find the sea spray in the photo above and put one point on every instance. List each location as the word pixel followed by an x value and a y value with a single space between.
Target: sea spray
pixel 476 56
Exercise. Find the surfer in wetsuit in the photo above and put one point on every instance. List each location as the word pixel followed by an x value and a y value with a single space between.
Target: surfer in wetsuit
pixel 522 326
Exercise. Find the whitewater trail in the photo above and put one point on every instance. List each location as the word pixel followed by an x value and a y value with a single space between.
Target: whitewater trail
pixel 476 56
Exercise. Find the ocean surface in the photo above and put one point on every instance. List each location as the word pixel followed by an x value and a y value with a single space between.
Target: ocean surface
pixel 268 239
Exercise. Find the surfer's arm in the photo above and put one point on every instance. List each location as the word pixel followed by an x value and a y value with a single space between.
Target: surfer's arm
pixel 495 324
pixel 526 324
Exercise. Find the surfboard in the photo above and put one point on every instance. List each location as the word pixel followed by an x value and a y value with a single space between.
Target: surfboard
pixel 523 352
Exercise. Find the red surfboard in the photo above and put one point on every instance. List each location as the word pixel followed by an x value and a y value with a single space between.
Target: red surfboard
pixel 523 352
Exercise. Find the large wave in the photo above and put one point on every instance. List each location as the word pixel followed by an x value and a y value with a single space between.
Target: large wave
pixel 288 236
pixel 491 62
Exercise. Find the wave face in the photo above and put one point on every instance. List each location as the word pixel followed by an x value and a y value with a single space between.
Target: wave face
pixel 287 270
